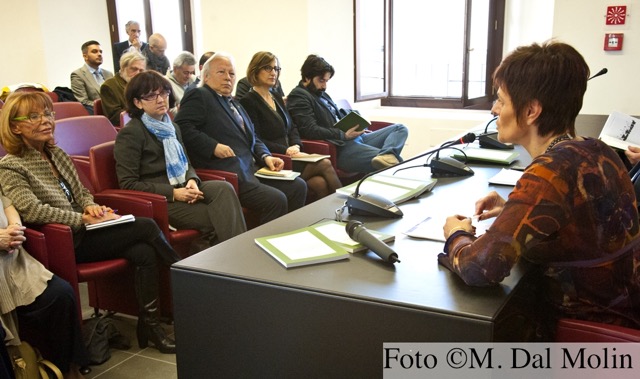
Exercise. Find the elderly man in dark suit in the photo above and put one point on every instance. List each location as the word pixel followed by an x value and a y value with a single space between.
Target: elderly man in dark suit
pixel 86 81
pixel 218 134
pixel 133 31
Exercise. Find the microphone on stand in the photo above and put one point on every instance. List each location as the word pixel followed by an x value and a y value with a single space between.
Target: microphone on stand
pixel 375 205
pixel 357 232
pixel 489 140
pixel 447 166
pixel 601 72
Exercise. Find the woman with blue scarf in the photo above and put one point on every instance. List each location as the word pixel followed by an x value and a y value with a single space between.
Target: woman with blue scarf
pixel 150 157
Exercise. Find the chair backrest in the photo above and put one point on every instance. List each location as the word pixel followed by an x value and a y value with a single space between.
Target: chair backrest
pixel 569 330
pixel 124 118
pixel 54 96
pixel 97 107
pixel 103 167
pixel 76 135
pixel 67 109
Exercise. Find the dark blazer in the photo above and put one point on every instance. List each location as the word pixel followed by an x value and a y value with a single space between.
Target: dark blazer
pixel 314 119
pixel 275 128
pixel 140 160
pixel 118 50
pixel 206 120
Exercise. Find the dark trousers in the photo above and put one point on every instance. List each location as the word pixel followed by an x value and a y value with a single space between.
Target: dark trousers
pixel 51 324
pixel 274 198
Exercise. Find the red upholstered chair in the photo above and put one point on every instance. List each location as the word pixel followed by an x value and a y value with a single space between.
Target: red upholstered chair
pixel 76 135
pixel 54 96
pixel 36 246
pixel 124 119
pixel 570 330
pixel 104 180
pixel 117 293
pixel 97 107
pixel 68 109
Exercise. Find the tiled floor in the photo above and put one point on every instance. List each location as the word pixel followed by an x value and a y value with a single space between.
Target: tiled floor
pixel 134 363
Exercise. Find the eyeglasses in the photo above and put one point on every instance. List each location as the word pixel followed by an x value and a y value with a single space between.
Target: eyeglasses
pixel 271 68
pixel 154 96
pixel 35 118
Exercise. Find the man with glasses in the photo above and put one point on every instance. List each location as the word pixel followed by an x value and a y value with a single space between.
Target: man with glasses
pixel 315 113
pixel 86 81
pixel 183 75
pixel 154 52
pixel 133 43
pixel 218 134
pixel 112 91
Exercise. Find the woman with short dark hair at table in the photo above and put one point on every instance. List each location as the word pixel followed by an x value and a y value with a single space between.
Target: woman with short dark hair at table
pixel 275 127
pixel 150 157
pixel 574 209
pixel 43 184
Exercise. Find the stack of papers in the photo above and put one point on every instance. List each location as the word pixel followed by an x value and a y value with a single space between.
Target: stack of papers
pixel 103 224
pixel 431 228
pixel 506 177
pixel 394 188
pixel 309 157
pixel 505 157
pixel 265 173
pixel 323 242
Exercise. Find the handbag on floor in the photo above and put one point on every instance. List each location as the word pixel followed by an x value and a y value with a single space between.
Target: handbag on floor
pixel 99 334
pixel 28 363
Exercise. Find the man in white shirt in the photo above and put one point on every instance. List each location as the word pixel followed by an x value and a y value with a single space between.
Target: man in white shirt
pixel 183 74
pixel 86 81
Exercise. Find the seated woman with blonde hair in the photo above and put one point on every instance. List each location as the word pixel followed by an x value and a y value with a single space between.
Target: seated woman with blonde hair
pixel 44 186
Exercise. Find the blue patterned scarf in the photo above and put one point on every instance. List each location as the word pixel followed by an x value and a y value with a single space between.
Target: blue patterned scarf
pixel 173 152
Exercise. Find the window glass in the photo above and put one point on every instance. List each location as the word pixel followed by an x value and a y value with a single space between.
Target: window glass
pixel 427 47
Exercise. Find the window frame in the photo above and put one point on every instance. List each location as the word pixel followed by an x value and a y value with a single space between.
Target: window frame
pixel 185 17
pixel 495 28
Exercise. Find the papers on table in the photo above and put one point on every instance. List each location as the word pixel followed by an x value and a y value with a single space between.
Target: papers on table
pixel 506 177
pixel 394 188
pixel 301 247
pixel 504 157
pixel 431 227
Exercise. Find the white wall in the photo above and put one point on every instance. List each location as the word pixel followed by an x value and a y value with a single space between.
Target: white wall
pixel 41 39
pixel 582 24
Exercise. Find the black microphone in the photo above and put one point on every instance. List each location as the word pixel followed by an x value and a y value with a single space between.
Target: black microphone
pixel 601 72
pixel 489 140
pixel 447 166
pixel 375 205
pixel 356 230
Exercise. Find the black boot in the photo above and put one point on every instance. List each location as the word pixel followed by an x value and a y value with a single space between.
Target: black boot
pixel 149 327
pixel 164 250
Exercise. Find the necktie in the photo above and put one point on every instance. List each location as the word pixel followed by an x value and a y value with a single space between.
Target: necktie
pixel 332 108
pixel 236 114
pixel 99 78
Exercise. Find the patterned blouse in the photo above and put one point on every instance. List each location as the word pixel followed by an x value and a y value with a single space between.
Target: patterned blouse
pixel 38 195
pixel 571 213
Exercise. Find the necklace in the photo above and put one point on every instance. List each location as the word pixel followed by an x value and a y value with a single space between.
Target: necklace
pixel 557 140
